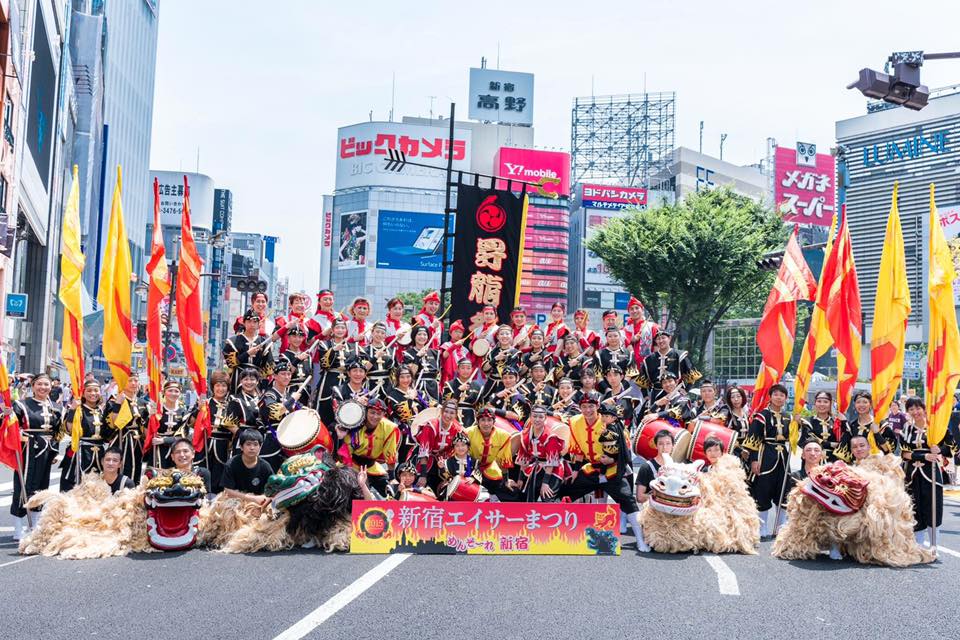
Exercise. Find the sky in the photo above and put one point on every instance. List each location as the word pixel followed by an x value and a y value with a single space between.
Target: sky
pixel 258 95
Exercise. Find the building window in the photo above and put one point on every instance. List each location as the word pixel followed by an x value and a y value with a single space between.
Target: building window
pixel 3 194
pixel 7 119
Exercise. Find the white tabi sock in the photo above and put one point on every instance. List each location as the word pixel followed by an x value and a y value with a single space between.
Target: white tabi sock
pixel 642 545
pixel 835 552
pixel 782 519
pixel 17 529
pixel 919 536
pixel 623 523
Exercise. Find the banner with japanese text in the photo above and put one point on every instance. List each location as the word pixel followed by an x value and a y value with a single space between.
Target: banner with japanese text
pixel 497 528
pixel 488 252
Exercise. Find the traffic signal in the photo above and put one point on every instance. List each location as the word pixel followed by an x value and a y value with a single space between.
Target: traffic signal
pixel 142 331
pixel 249 284
pixel 770 262
pixel 902 87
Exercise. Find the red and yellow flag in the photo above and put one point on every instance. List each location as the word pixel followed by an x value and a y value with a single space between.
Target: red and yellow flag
pixel 778 326
pixel 818 340
pixel 159 288
pixel 190 318
pixel 114 293
pixel 943 349
pixel 10 451
pixel 844 313
pixel 71 272
pixel 891 310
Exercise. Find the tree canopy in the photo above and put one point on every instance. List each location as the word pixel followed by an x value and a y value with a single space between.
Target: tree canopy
pixel 695 260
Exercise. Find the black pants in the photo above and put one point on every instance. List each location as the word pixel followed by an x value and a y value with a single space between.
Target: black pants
pixel 767 487
pixel 87 457
pixel 921 490
pixel 499 488
pixel 618 488
pixel 532 485
pixel 37 455
pixel 218 454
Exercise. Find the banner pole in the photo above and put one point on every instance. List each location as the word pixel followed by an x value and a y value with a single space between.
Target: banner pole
pixel 447 211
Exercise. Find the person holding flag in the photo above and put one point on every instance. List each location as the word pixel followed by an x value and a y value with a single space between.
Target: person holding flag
pixel 87 444
pixel 71 272
pixel 190 321
pixel 771 434
pixel 41 423
pixel 127 419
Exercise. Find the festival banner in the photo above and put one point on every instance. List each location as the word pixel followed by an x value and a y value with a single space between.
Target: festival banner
pixel 488 252
pixel 484 528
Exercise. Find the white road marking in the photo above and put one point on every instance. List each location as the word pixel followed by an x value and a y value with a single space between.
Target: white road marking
pixel 949 552
pixel 8 486
pixel 726 578
pixel 319 615
pixel 7 564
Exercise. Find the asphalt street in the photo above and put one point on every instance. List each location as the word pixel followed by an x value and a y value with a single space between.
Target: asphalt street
pixel 206 594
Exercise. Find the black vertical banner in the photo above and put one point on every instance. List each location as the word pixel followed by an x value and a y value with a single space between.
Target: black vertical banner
pixel 488 252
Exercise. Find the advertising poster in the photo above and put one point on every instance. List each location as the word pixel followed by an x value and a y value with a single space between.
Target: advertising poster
pixel 352 249
pixel 484 528
pixel 950 223
pixel 601 196
pixel 412 241
pixel 362 152
pixel 532 165
pixel 804 186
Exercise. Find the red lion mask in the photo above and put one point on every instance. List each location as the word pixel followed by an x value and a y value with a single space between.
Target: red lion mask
pixel 836 489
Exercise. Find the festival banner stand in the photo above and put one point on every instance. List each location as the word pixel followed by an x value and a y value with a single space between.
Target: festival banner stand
pixel 485 528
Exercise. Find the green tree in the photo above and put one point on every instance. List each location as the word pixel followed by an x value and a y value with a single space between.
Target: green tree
pixel 413 300
pixel 696 259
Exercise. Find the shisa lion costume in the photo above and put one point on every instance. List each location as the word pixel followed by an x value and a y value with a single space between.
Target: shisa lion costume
pixel 88 522
pixel 311 500
pixel 692 512
pixel 865 510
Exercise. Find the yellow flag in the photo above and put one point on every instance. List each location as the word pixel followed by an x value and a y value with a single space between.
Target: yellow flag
pixel 114 293
pixel 891 309
pixel 71 272
pixel 124 415
pixel 943 349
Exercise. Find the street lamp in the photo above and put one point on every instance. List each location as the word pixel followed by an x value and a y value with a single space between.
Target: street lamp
pixel 903 86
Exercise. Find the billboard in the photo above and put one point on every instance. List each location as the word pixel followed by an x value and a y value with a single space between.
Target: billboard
pixel 362 151
pixel 501 96
pixel 594 270
pixel 804 184
pixel 530 165
pixel 202 198
pixel 602 196
pixel 412 241
pixel 950 223
pixel 43 91
pixel 352 246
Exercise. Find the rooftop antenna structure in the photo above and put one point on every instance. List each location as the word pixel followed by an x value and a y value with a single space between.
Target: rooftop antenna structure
pixel 723 138
pixel 432 98
pixel 393 94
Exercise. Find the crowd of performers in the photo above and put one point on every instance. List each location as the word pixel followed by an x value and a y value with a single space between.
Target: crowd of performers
pixel 424 411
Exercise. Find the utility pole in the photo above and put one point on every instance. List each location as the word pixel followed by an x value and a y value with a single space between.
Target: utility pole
pixel 723 138
pixel 701 136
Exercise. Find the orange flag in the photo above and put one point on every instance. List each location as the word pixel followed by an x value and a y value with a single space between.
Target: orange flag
pixel 818 340
pixel 778 326
pixel 10 429
pixel 943 349
pixel 844 313
pixel 891 309
pixel 159 282
pixel 190 318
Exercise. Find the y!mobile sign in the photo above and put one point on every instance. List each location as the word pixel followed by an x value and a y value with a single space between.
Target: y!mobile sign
pixel 602 196
pixel 804 185
pixel 362 151
pixel 531 165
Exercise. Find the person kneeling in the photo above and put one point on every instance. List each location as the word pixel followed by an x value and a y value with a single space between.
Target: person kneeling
pixel 245 475
pixel 112 460
pixel 183 454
